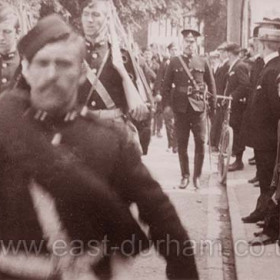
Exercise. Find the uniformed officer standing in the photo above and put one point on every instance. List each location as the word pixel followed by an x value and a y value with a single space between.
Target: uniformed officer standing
pixel 188 102
pixel 9 32
pixel 112 67
pixel 45 122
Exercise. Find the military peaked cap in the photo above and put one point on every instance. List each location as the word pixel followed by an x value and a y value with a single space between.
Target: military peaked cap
pixel 190 32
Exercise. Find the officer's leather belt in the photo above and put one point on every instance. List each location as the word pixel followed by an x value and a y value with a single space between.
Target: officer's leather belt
pixel 189 90
pixel 106 114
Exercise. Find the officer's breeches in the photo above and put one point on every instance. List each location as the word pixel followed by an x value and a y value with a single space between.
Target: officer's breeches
pixel 184 123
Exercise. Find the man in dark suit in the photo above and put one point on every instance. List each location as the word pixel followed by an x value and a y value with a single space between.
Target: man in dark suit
pixel 238 85
pixel 265 113
pixel 220 76
pixel 256 64
pixel 186 94
pixel 55 162
pixel 168 115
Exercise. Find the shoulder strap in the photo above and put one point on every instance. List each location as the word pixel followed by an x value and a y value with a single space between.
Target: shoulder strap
pixel 97 86
pixel 188 72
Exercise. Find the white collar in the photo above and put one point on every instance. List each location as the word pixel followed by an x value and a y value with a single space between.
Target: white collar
pixel 270 57
pixel 233 63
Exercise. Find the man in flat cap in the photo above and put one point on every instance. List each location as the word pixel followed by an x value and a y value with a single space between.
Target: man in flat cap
pixel 265 113
pixel 9 32
pixel 184 88
pixel 238 85
pixel 47 139
pixel 168 115
pixel 220 76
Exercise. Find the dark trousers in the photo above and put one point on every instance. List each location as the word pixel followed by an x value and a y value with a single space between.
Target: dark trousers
pixel 158 119
pixel 265 161
pixel 236 119
pixel 216 128
pixel 184 123
pixel 170 129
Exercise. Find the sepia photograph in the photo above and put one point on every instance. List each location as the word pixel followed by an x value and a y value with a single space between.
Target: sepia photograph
pixel 139 140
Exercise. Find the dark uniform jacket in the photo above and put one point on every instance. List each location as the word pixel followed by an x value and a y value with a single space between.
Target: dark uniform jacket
pixel 88 148
pixel 177 79
pixel 8 65
pixel 109 77
pixel 265 109
pixel 246 129
pixel 238 86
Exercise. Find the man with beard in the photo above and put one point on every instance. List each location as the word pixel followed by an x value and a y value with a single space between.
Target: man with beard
pixel 184 88
pixel 44 137
pixel 9 32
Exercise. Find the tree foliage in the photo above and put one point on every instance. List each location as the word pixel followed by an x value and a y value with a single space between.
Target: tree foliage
pixel 137 12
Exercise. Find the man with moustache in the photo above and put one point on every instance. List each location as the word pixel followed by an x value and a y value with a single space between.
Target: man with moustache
pixel 185 93
pixel 44 137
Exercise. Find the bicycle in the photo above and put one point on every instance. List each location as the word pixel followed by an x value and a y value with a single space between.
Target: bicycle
pixel 225 143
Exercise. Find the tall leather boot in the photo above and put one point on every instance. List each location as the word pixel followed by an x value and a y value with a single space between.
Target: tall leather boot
pixel 198 163
pixel 185 171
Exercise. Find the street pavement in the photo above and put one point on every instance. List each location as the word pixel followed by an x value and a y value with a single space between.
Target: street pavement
pixel 261 262
pixel 199 211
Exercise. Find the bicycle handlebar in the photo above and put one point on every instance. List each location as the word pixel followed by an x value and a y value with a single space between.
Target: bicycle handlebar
pixel 224 97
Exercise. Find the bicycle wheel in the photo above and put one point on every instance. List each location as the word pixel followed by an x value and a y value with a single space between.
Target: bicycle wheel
pixel 225 149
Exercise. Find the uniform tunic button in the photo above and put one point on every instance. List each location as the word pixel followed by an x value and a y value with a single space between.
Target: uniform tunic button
pixel 94 70
pixel 4 80
pixel 93 103
pixel 4 65
pixel 94 55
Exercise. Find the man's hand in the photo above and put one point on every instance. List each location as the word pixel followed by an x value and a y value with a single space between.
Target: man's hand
pixel 158 98
pixel 139 112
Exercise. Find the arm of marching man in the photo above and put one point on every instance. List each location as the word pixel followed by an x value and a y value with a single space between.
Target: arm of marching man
pixel 136 185
pixel 211 84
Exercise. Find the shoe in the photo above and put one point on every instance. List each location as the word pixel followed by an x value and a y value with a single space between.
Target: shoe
pixel 236 166
pixel 258 233
pixel 253 180
pixel 214 149
pixel 184 182
pixel 159 135
pixel 262 239
pixel 196 182
pixel 257 184
pixel 252 218
pixel 260 224
pixel 251 159
pixel 175 150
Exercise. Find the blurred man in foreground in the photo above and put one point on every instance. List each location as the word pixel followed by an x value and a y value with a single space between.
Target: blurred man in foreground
pixel 46 141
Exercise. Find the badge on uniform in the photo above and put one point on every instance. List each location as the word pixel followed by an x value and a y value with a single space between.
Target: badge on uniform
pixel 259 87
